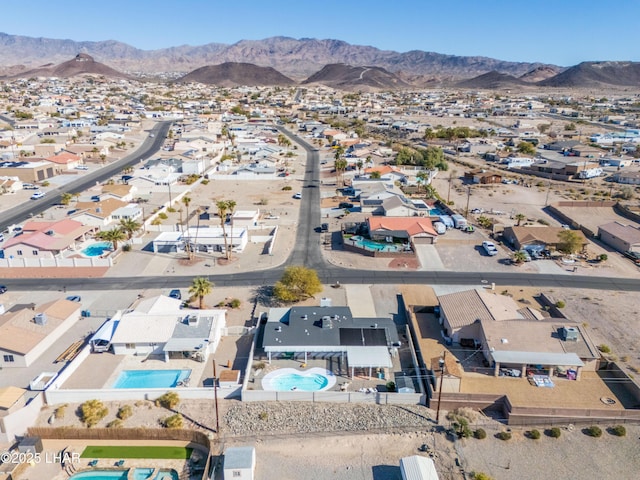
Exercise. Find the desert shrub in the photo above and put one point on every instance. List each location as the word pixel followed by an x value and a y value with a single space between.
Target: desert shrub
pixel 594 431
pixel 619 431
pixel 92 411
pixel 603 257
pixel 560 304
pixel 504 435
pixel 555 432
pixel 264 416
pixel 59 412
pixel 391 386
pixel 162 216
pixel 235 303
pixel 174 421
pixel 117 423
pixel 169 400
pixel 263 201
pixel 604 348
pixel 156 221
pixel 286 188
pixel 467 412
pixel 481 476
pixel 480 434
pixel 542 221
pixel 534 434
pixel 126 247
pixel 259 365
pixel 124 412
pixel 205 182
pixel 171 210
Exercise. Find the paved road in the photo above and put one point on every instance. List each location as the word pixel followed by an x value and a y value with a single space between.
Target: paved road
pixel 307 251
pixel 21 213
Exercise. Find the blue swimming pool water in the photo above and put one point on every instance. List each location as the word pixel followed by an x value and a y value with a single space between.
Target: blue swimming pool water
pixel 142 473
pixel 371 245
pixel 304 383
pixel 96 249
pixel 101 475
pixel 150 378
pixel 167 474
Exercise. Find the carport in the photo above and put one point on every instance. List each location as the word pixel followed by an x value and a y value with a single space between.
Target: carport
pixel 192 348
pixel 546 359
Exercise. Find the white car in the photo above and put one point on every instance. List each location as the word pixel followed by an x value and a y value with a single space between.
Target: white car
pixel 82 167
pixel 298 196
pixel 37 195
pixel 490 248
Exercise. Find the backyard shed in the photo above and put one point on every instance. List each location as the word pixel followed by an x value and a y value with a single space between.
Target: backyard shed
pixel 239 463
pixel 418 468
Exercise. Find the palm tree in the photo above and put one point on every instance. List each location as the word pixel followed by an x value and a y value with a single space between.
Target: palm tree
pixel 519 257
pixel 114 236
pixel 186 200
pixel 129 226
pixel 200 287
pixel 231 206
pixel 422 178
pixel 222 213
pixel 519 217
pixel 359 164
pixel 65 198
pixel 340 165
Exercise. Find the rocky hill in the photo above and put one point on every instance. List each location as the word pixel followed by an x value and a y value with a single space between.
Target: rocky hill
pixel 540 73
pixel 297 58
pixel 81 64
pixel 348 77
pixel 233 74
pixel 597 74
pixel 491 81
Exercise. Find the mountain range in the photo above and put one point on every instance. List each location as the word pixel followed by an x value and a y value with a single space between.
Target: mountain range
pixel 286 61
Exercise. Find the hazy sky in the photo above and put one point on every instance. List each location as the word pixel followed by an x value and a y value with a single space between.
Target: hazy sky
pixel 562 32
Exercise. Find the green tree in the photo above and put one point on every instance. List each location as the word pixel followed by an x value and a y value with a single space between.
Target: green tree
pixel 231 207
pixel 186 200
pixel 570 126
pixel 114 236
pixel 340 166
pixel 297 283
pixel 359 165
pixel 519 257
pixel 129 226
pixel 65 198
pixel 570 242
pixel 200 287
pixel 519 217
pixel 527 148
pixel 375 174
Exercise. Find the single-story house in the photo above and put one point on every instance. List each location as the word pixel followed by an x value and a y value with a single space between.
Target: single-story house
pixel 624 238
pixel 66 160
pixel 414 229
pixel 482 176
pixel 27 333
pixel 537 237
pixel 203 239
pixel 46 239
pixel 118 191
pixel 627 178
pixel 160 326
pixel 245 218
pixel 330 332
pixel 99 214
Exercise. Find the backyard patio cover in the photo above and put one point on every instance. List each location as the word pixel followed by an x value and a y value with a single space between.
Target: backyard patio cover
pixel 537 358
pixel 105 332
pixel 361 357
pixel 185 345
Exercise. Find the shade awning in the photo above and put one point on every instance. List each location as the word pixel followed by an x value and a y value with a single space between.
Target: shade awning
pixel 105 332
pixel 185 345
pixel 377 357
pixel 538 358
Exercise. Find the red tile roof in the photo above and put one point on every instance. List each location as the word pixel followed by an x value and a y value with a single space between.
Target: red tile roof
pixel 412 225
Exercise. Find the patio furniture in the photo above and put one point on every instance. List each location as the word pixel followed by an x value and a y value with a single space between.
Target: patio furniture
pixel 93 463
pixel 119 463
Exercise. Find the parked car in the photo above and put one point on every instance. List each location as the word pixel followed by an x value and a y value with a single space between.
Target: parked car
pixel 29 186
pixel 74 298
pixel 345 205
pixel 175 293
pixel 37 195
pixel 82 167
pixel 3 288
pixel 298 196
pixel 324 227
pixel 490 248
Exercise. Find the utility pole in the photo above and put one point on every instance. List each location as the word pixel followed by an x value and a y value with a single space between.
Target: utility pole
pixel 215 395
pixel 466 212
pixel 442 363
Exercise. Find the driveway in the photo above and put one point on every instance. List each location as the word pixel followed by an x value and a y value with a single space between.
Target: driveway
pixel 429 257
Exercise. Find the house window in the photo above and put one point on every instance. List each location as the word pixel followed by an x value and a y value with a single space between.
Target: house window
pixel 34 252
pixel 19 252
pixel 237 473
pixel 8 358
pixel 130 346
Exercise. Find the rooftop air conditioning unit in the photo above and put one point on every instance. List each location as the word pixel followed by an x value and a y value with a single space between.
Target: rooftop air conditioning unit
pixel 192 320
pixel 327 323
pixel 40 319
pixel 570 334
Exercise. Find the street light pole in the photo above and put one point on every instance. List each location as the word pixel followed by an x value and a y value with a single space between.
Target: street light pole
pixel 215 395
pixel 441 362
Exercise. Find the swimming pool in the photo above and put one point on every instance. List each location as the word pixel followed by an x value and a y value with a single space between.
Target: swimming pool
pixel 101 475
pixel 138 474
pixel 436 212
pixel 151 378
pixel 289 379
pixel 367 244
pixel 96 249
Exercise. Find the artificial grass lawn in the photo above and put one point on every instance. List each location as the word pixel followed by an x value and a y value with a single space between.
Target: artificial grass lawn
pixel 123 451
